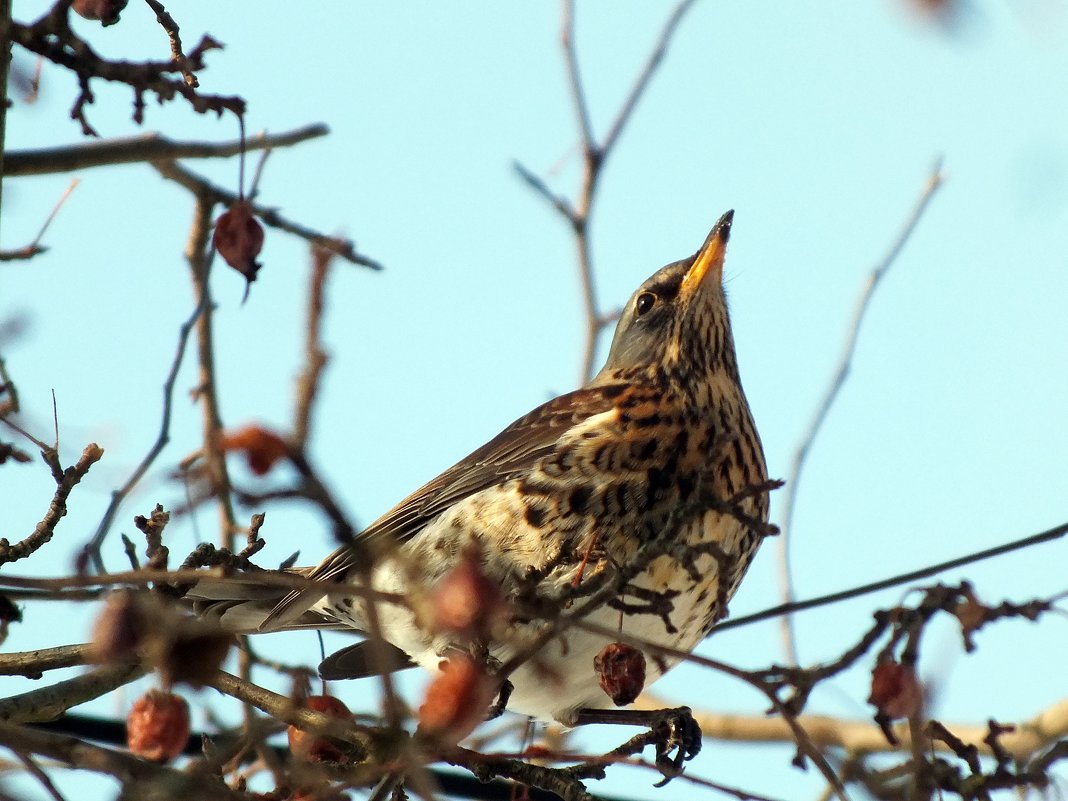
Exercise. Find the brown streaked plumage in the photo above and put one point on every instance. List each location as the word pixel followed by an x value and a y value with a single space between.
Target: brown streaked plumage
pixel 581 483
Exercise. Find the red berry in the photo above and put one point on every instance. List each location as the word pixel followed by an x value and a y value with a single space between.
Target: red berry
pixel 157 727
pixel 261 446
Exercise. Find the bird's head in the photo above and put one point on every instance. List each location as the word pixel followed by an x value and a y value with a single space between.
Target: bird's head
pixel 677 320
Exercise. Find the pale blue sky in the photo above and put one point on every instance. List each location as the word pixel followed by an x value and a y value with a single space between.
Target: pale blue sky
pixel 817 122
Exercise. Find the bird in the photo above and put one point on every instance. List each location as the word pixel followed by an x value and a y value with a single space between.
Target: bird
pixel 656 458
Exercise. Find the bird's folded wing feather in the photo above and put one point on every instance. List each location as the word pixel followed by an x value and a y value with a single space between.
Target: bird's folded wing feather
pixel 511 453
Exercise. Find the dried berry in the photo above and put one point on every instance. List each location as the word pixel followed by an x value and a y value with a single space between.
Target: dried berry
pixel 317 747
pixel 262 448
pixel 157 727
pixel 107 11
pixel 895 690
pixel 621 672
pixel 239 239
pixel 456 700
pixel 466 600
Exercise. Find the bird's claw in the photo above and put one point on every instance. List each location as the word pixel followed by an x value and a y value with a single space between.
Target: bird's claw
pixel 676 731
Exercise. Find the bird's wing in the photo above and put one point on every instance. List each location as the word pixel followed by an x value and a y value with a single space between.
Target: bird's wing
pixel 512 452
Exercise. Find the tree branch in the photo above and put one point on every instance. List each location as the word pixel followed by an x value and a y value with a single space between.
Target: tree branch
pixel 48 703
pixel 150 779
pixel 52 38
pixel 56 509
pixel 201 187
pixel 595 154
pixel 146 148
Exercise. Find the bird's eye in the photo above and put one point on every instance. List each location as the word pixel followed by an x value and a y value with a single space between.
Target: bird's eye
pixel 645 302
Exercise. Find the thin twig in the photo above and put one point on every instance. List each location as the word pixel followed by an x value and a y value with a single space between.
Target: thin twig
pixel 66 482
pixel 40 775
pixel 55 210
pixel 315 357
pixel 595 155
pixel 168 24
pixel 895 581
pixel 200 255
pixel 93 549
pixel 344 248
pixel 838 379
pixel 35 248
pixel 574 75
pixel 646 74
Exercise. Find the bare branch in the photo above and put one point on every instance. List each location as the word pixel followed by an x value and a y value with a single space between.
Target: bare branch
pixel 146 148
pixel 539 186
pixel 199 254
pixel 283 708
pixel 52 38
pixel 48 703
pixel 35 248
pixel 594 156
pixel 863 737
pixel 168 24
pixel 201 187
pixel 636 92
pixel 934 180
pixel 56 509
pixel 315 358
pixel 574 75
pixel 151 779
pixel 40 775
pixel 33 663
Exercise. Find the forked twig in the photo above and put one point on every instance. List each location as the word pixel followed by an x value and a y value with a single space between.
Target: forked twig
pixel 595 154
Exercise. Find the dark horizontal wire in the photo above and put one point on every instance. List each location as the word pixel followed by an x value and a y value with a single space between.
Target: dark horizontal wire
pixel 904 578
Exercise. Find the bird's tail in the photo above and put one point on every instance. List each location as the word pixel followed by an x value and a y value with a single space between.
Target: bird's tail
pixel 246 608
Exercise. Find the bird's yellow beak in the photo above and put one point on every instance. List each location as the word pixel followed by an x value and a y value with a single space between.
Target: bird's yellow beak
pixel 710 257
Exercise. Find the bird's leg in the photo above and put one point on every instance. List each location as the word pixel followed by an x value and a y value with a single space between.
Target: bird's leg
pixel 670 730
pixel 501 704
